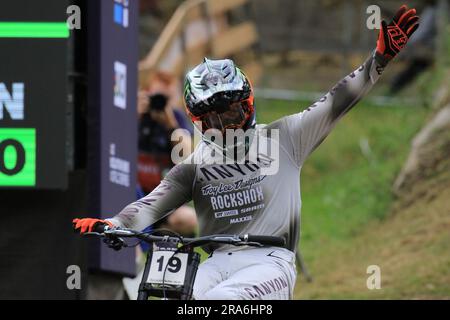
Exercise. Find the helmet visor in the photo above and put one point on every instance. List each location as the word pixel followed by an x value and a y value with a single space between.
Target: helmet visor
pixel 231 117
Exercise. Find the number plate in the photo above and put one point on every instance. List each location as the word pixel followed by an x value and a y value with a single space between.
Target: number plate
pixel 174 266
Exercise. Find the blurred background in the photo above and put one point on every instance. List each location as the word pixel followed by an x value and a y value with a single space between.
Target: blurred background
pixel 90 92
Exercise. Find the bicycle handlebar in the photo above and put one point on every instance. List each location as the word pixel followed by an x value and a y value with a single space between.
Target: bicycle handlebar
pixel 268 240
pixel 252 240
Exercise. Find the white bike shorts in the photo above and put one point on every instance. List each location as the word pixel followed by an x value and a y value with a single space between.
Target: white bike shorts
pixel 249 274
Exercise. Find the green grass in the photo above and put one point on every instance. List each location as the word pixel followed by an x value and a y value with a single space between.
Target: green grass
pixel 411 246
pixel 342 188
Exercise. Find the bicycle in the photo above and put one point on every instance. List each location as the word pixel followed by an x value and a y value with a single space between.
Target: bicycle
pixel 171 264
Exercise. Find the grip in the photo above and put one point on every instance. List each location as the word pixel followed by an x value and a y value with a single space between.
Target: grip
pixel 99 227
pixel 266 240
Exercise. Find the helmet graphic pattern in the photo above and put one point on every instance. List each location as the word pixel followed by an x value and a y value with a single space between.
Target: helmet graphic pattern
pixel 213 83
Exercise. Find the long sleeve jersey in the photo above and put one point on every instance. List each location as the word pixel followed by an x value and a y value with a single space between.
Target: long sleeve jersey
pixel 235 198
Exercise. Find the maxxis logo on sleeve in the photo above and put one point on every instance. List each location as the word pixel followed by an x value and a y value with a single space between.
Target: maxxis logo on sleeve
pixel 17 157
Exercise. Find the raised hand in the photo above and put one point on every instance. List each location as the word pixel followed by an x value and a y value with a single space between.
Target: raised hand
pixel 394 36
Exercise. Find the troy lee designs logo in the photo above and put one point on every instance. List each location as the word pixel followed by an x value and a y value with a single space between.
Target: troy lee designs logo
pixel 210 190
pixel 397 38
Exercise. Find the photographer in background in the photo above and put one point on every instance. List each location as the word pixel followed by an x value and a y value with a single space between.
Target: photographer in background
pixel 157 121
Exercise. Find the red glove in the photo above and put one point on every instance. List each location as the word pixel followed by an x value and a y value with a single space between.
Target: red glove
pixel 394 36
pixel 88 224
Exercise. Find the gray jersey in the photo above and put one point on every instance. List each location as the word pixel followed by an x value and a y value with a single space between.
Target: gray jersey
pixel 238 198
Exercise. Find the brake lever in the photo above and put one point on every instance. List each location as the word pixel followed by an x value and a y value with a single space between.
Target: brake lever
pixel 112 242
pixel 117 232
pixel 115 243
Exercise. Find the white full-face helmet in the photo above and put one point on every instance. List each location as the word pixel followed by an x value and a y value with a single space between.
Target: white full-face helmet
pixel 218 95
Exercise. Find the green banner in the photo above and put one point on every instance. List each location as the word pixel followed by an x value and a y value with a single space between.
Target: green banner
pixel 34 30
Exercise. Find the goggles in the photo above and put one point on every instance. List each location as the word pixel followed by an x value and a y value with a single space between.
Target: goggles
pixel 230 116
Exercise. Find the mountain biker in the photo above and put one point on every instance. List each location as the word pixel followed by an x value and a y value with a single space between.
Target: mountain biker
pixel 236 198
